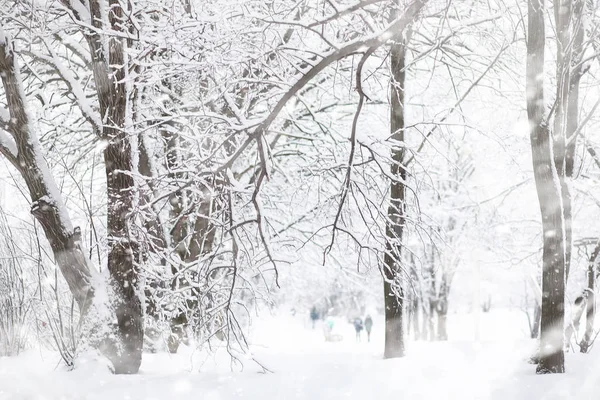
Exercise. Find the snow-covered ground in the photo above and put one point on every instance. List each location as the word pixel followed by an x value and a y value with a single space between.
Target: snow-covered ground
pixel 304 366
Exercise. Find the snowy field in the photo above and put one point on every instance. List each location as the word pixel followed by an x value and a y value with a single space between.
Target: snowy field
pixel 304 366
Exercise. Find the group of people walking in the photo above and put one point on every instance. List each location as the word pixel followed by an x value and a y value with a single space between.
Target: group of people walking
pixel 358 323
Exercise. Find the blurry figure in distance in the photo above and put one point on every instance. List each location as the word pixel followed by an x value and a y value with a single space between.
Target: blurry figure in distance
pixel 368 326
pixel 358 326
pixel 314 316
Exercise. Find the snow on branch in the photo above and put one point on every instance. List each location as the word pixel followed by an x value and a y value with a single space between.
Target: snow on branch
pixel 366 47
pixel 340 13
pixel 359 46
pixel 8 144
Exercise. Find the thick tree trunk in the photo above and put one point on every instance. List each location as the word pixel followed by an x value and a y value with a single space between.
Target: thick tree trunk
pixel 124 250
pixel 392 287
pixel 123 242
pixel 548 185
pixel 48 209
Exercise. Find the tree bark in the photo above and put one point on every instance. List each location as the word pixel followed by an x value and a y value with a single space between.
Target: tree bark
pixel 47 205
pixel 109 73
pixel 548 185
pixel 392 286
pixel 569 30
pixel 579 305
pixel 590 314
pixel 442 313
pixel 537 316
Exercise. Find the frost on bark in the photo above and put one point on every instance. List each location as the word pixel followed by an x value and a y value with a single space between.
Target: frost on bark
pixel 25 154
pixel 392 285
pixel 109 72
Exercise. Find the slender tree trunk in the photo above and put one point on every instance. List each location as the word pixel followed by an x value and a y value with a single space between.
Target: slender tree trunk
pixel 180 230
pixel 569 26
pixel 590 314
pixel 442 306
pixel 579 306
pixel 425 326
pixel 442 314
pixel 548 185
pixel 431 303
pixel 537 316
pixel 392 285
pixel 417 322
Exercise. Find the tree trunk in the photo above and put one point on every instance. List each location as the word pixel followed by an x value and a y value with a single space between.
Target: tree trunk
pixel 537 316
pixel 569 31
pixel 590 314
pixel 392 286
pixel 442 333
pixel 573 328
pixel 548 185
pixel 48 209
pixel 47 205
pixel 123 241
pixel 442 306
pixel 442 313
pixel 191 242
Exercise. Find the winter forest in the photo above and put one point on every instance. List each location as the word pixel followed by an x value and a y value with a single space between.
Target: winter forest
pixel 314 199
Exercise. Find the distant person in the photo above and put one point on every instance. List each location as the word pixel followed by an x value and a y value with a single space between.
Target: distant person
pixel 314 316
pixel 368 326
pixel 358 326
pixel 327 329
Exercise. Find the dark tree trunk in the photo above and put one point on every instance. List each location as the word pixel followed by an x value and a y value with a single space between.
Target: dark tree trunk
pixel 569 27
pixel 550 199
pixel 123 241
pixel 590 314
pixel 573 328
pixel 47 205
pixel 392 286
